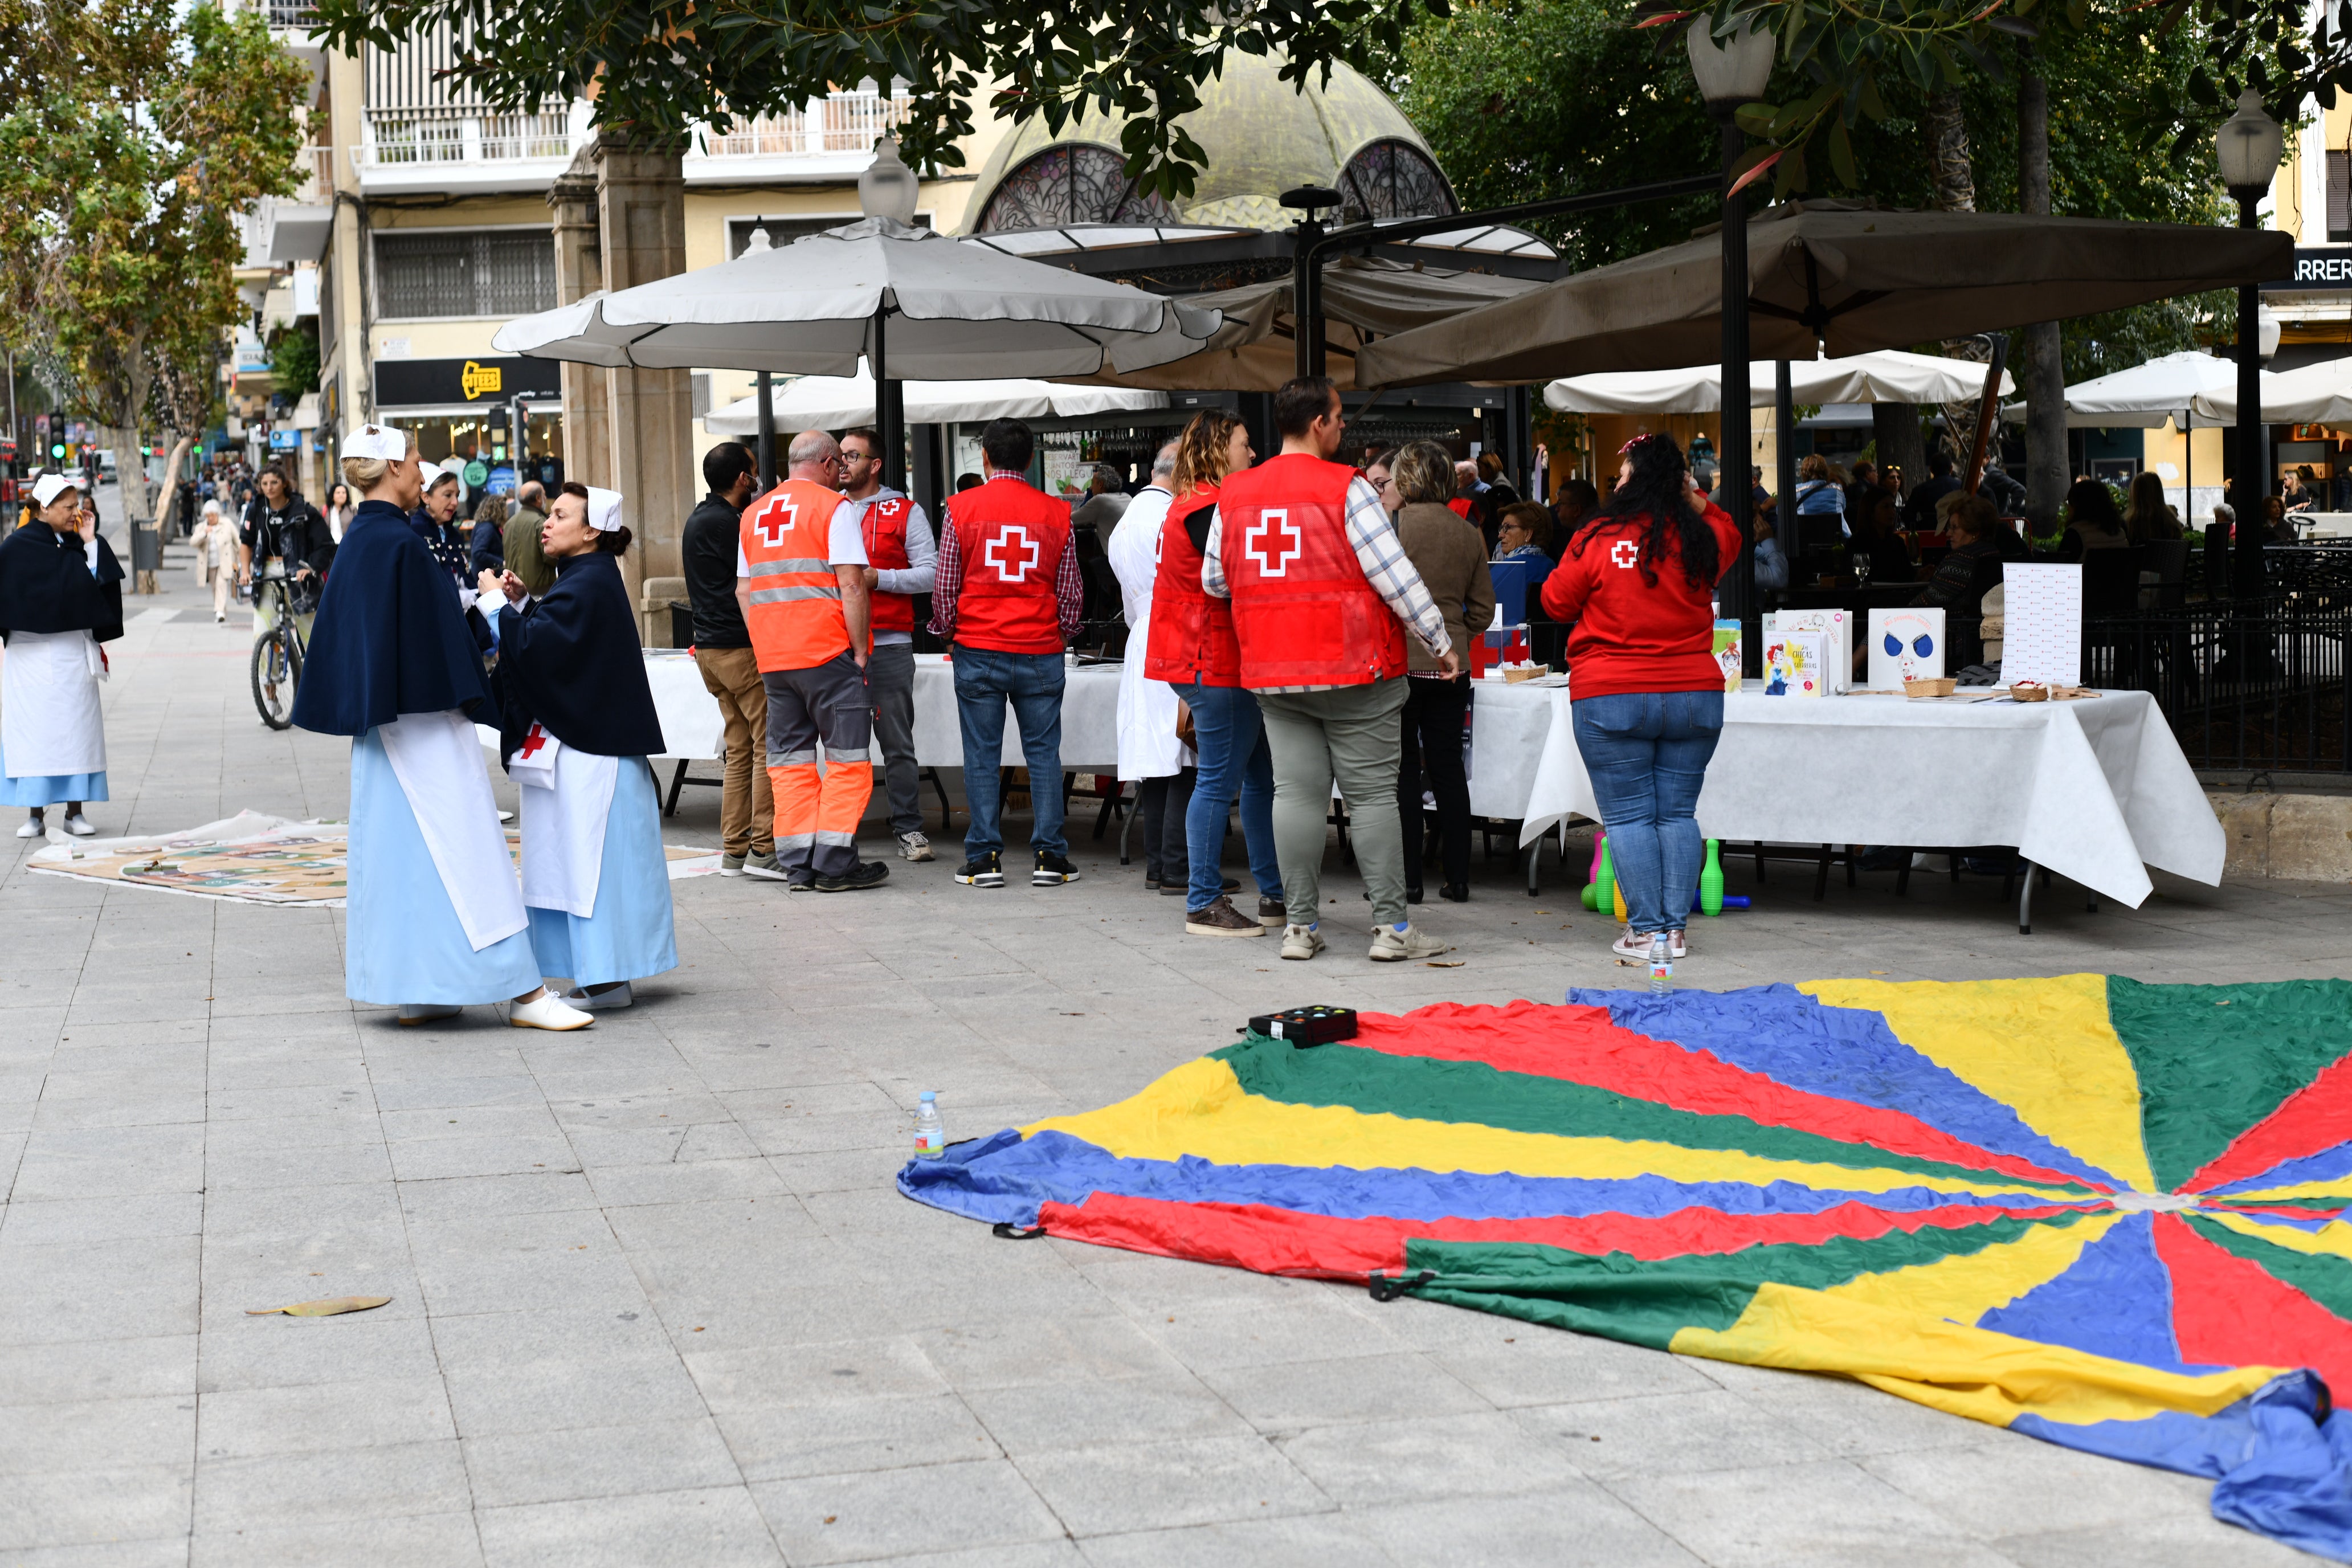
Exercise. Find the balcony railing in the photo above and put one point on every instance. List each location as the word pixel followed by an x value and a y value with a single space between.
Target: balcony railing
pixel 838 123
pixel 292 14
pixel 397 139
pixel 318 177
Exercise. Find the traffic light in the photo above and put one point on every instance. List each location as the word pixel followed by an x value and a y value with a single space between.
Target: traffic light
pixel 57 450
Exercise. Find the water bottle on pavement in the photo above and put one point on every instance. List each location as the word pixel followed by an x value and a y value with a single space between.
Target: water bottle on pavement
pixel 930 1133
pixel 1662 966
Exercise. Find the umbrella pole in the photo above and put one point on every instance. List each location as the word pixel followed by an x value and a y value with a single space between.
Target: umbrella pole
pixel 1987 407
pixel 767 436
pixel 889 408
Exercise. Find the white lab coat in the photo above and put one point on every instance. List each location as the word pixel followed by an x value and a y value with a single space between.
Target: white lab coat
pixel 1148 746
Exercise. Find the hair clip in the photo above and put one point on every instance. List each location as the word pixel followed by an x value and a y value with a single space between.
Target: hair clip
pixel 1645 435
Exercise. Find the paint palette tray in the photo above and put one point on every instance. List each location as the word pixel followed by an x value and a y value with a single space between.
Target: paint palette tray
pixel 1304 1026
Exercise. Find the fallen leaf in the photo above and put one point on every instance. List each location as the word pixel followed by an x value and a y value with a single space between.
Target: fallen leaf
pixel 326 1309
pixel 1444 964
pixel 831 1517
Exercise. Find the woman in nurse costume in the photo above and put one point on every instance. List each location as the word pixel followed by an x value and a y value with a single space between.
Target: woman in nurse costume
pixel 579 724
pixel 60 597
pixel 436 918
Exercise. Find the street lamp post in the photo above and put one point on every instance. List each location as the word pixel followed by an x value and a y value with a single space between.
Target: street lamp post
pixel 1730 73
pixel 2250 144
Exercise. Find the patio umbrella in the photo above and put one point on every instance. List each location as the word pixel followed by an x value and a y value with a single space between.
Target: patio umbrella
pixel 2147 394
pixel 2316 395
pixel 1255 349
pixel 918 304
pixel 831 402
pixel 1887 377
pixel 1848 277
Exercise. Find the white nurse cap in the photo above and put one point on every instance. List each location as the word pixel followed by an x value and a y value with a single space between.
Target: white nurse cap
pixel 379 441
pixel 603 510
pixel 49 486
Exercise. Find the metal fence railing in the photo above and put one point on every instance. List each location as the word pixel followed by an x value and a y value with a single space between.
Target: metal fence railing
pixel 2258 684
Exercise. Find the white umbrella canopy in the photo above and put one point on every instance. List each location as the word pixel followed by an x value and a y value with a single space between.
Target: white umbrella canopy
pixel 2145 396
pixel 831 402
pixel 2316 395
pixel 1888 376
pixel 923 305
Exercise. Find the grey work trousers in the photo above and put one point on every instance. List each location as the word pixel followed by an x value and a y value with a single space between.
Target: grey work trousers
pixel 890 671
pixel 1352 732
pixel 818 809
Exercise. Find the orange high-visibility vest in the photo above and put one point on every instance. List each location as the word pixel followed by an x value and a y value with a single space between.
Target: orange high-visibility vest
pixel 796 620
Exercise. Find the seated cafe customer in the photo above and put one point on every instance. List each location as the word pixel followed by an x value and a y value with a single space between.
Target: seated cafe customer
pixel 1973 567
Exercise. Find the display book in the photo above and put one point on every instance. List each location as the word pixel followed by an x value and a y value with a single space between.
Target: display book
pixel 1808 653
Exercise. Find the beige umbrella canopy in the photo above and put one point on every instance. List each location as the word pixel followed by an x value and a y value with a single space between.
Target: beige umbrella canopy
pixel 1855 278
pixel 1255 348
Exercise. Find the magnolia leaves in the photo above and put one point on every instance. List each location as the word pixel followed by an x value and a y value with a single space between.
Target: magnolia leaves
pixel 333 1306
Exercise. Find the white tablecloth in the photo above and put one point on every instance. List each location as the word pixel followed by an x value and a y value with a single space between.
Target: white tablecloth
pixel 1089 719
pixel 2095 790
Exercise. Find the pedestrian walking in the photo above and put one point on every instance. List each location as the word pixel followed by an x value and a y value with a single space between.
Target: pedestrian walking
pixel 436 920
pixel 577 723
pixel 1452 561
pixel 338 510
pixel 731 672
pixel 802 571
pixel 215 543
pixel 1321 593
pixel 1149 750
pixel 519 539
pixel 1194 648
pixel 1638 578
pixel 902 560
pixel 60 598
pixel 488 551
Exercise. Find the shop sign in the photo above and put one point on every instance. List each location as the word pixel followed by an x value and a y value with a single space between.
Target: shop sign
pixel 400 383
pixel 2317 266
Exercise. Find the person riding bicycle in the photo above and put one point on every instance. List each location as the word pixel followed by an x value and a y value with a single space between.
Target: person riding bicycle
pixel 283 539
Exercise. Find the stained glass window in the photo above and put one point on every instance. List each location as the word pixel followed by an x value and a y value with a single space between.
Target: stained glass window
pixel 1071 183
pixel 1393 179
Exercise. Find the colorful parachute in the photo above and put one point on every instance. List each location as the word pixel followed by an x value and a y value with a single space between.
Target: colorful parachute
pixel 2105 1212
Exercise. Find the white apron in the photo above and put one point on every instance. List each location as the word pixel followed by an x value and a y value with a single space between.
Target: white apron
pixel 567 799
pixel 439 765
pixel 50 720
pixel 1148 746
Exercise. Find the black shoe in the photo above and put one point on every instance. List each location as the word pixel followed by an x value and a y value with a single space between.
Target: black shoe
pixel 1174 889
pixel 1052 870
pixel 866 874
pixel 1151 883
pixel 801 882
pixel 1411 893
pixel 1232 884
pixel 1454 892
pixel 983 870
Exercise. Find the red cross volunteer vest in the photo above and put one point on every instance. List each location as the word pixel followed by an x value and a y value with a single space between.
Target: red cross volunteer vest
pixel 884 527
pixel 796 619
pixel 1191 630
pixel 1303 612
pixel 1011 536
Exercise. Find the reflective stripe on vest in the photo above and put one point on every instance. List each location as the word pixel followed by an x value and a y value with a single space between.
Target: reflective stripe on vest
pixel 1192 632
pixel 1303 613
pixel 796 620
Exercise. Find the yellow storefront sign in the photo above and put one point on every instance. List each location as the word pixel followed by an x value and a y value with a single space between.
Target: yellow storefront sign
pixel 480 379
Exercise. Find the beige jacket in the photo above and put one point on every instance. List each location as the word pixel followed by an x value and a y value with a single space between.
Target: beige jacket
pixel 1451 556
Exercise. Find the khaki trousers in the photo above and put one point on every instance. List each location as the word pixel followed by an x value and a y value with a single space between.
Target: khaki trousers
pixel 747 807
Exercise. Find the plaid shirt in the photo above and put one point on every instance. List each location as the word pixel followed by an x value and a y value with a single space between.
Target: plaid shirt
pixel 1386 568
pixel 1069 587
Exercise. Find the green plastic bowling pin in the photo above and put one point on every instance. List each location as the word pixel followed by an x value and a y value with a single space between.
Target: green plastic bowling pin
pixel 1604 887
pixel 1710 878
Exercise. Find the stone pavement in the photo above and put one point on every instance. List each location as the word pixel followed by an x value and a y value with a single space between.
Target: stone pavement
pixel 654 1300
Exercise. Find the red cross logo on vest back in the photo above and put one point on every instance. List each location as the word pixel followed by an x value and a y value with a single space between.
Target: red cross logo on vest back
pixel 1626 553
pixel 1253 541
pixel 999 553
pixel 775 520
pixel 534 743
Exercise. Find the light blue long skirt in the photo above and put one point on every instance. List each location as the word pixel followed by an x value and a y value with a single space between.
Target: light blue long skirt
pixel 48 789
pixel 629 933
pixel 401 940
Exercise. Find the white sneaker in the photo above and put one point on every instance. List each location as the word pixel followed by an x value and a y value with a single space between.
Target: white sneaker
pixel 548 1011
pixel 914 846
pixel 78 825
pixel 1678 941
pixel 1301 941
pixel 414 1013
pixel 34 828
pixel 619 996
pixel 1390 945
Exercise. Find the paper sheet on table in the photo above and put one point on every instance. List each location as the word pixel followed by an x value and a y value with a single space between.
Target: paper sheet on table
pixel 2044 636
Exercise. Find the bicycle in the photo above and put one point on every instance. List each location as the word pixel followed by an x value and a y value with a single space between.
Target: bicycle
pixel 277 653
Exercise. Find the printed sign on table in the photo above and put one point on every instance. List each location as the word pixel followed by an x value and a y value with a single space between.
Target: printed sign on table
pixel 2043 636
pixel 1905 645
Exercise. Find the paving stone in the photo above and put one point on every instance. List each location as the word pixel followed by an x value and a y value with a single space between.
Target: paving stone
pixel 599 1461
pixel 1108 1487
pixel 408 1541
pixel 772 1442
pixel 886 1514
pixel 715 1527
pixel 340 1485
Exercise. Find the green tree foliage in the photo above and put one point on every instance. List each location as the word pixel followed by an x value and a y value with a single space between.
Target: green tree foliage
pixel 294 358
pixel 133 135
pixel 1528 98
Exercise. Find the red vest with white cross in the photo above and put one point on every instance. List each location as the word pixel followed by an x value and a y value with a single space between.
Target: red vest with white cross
pixel 884 528
pixel 1192 636
pixel 1011 536
pixel 1303 612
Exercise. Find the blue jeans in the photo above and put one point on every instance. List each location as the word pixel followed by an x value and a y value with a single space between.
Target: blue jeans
pixel 984 680
pixel 1231 739
pixel 1646 752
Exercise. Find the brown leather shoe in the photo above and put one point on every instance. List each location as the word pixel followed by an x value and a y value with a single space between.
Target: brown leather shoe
pixel 1270 912
pixel 1221 919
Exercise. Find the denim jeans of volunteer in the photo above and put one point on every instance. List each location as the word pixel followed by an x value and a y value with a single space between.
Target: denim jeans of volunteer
pixel 890 671
pixel 1230 736
pixel 985 680
pixel 1646 752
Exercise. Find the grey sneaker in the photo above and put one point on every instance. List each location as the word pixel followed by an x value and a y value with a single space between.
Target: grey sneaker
pixel 914 846
pixel 1301 941
pixel 763 867
pixel 733 864
pixel 1392 946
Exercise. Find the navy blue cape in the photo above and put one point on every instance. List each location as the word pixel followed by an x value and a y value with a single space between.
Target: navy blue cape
pixel 390 637
pixel 572 661
pixel 46 585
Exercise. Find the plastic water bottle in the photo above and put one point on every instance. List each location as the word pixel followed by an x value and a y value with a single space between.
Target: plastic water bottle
pixel 1662 966
pixel 930 1133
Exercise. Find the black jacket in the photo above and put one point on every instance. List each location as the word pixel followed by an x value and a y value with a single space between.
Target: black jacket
pixel 294 533
pixel 706 551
